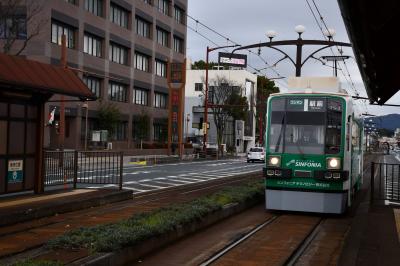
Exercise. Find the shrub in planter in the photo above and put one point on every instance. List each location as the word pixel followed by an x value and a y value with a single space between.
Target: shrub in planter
pixel 139 227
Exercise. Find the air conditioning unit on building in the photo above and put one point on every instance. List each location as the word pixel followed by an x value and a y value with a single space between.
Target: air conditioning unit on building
pixel 109 146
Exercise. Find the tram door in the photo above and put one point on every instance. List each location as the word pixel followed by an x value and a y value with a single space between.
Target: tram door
pixel 18 122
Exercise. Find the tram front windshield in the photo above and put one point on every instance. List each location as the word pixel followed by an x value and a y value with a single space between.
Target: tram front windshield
pixel 305 125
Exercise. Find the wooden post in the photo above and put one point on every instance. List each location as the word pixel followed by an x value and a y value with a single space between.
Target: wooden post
pixel 181 94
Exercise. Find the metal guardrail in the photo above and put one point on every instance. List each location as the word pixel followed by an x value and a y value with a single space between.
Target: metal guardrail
pixel 385 182
pixel 83 167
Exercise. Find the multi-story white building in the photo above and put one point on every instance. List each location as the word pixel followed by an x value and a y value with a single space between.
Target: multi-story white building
pixel 239 135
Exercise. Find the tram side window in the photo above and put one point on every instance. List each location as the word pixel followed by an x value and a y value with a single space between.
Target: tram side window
pixel 333 127
pixel 277 120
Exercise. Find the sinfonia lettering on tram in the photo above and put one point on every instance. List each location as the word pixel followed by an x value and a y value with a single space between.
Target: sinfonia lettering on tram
pixel 308 164
pixel 304 164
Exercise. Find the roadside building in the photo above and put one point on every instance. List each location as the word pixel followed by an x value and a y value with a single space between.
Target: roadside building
pixel 121 49
pixel 238 135
pixel 25 86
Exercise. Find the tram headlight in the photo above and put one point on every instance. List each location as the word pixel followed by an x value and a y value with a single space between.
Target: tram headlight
pixel 274 161
pixel 333 163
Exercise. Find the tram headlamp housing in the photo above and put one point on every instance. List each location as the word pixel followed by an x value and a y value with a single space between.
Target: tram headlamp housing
pixel 274 161
pixel 333 163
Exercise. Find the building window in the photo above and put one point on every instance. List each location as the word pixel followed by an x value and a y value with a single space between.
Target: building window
pixel 149 2
pixel 117 92
pixel 162 37
pixel 93 84
pixel 179 15
pixel 160 132
pixel 119 16
pixel 161 68
pixel 142 62
pixel 118 54
pixel 178 45
pixel 163 6
pixel 95 7
pixel 140 96
pixel 58 29
pixel 142 27
pixel 160 100
pixel 198 87
pixel 13 27
pixel 92 45
pixel 120 131
pixel 71 1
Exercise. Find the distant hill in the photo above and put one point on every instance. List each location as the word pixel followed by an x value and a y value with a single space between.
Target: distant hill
pixel 390 122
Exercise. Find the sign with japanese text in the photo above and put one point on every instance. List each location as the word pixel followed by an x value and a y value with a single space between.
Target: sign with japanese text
pixel 175 114
pixel 176 73
pixel 235 60
pixel 15 171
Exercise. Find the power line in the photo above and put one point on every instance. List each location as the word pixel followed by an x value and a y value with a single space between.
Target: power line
pixel 346 75
pixel 344 62
pixel 233 42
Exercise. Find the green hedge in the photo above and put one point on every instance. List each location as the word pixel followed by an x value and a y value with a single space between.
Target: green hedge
pixel 115 236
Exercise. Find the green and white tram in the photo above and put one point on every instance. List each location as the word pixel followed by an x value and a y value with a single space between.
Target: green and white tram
pixel 314 148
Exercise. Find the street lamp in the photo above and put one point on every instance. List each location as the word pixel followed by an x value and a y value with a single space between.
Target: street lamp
pixel 205 119
pixel 299 43
pixel 300 29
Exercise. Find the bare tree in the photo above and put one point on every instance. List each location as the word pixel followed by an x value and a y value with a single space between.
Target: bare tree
pixel 20 22
pixel 226 104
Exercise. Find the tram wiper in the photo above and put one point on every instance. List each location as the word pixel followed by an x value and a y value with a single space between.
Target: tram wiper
pixel 300 151
pixel 280 135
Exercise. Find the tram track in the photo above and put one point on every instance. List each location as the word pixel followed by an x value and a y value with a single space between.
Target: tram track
pixel 296 255
pixel 290 259
pixel 237 242
pixel 37 232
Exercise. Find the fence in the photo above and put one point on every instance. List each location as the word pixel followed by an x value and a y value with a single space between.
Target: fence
pixel 83 167
pixel 385 179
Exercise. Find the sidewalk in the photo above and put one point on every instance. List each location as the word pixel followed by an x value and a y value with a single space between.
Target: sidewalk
pixel 15 209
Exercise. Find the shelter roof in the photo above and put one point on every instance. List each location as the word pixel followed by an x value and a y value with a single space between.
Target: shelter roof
pixel 20 73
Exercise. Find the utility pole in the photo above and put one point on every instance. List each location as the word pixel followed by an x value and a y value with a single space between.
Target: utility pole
pixel 205 117
pixel 62 100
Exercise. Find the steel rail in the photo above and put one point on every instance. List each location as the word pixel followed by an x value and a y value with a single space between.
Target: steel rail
pixel 237 242
pixel 299 251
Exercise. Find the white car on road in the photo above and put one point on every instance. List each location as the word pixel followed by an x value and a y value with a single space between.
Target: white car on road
pixel 256 154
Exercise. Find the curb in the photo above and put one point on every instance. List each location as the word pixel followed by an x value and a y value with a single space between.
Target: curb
pixel 50 209
pixel 130 254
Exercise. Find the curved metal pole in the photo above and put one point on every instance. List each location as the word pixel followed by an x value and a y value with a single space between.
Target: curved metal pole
pixel 311 55
pixel 286 55
pixel 291 42
pixel 274 64
pixel 299 43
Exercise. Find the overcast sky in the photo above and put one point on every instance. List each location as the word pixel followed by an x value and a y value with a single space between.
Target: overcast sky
pixel 246 22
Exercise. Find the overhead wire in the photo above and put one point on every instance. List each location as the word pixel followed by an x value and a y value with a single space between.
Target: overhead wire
pixel 340 52
pixel 346 75
pixel 236 43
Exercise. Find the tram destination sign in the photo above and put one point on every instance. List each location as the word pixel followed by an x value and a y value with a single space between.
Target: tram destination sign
pixel 235 60
pixel 306 105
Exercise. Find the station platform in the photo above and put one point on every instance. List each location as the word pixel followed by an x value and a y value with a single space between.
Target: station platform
pixel 27 207
pixel 374 236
